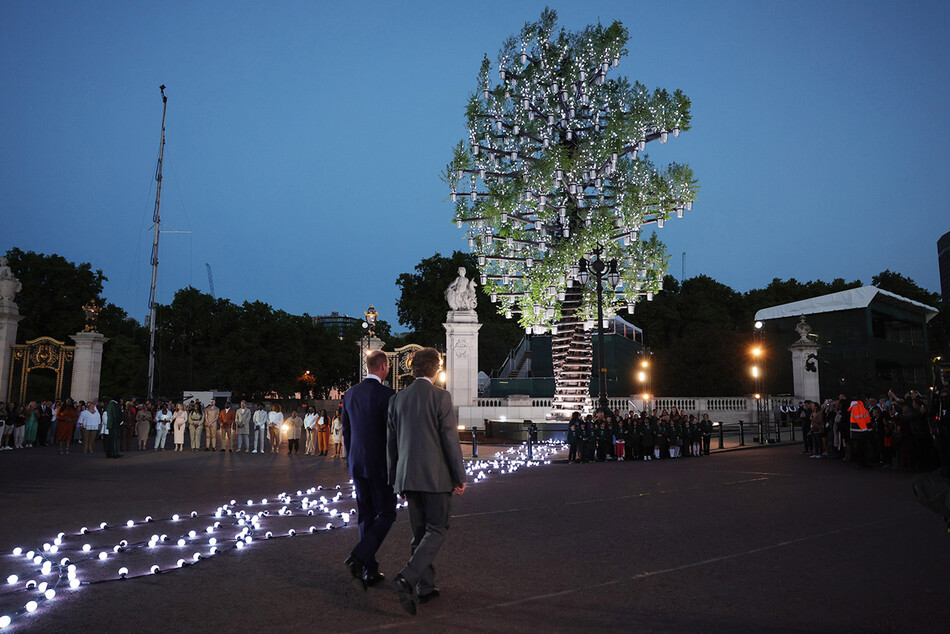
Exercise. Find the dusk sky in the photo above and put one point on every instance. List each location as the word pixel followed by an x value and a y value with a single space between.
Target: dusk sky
pixel 305 140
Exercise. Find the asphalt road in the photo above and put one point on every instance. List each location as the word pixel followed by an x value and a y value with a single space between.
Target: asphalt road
pixel 759 540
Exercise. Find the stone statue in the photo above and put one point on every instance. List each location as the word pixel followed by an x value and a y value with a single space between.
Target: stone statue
pixel 803 329
pixel 91 311
pixel 461 292
pixel 9 284
pixel 371 316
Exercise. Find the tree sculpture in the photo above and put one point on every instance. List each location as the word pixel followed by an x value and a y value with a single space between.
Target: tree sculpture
pixel 553 171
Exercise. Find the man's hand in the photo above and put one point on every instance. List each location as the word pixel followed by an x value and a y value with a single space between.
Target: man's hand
pixel 459 489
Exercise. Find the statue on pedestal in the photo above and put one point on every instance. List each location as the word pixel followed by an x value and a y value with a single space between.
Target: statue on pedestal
pixel 461 292
pixel 9 284
pixel 803 330
pixel 91 310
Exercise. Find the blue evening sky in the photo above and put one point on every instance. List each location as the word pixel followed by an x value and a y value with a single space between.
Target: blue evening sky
pixel 305 139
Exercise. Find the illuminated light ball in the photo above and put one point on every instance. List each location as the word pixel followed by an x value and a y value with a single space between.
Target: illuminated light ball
pixel 163 538
pixel 250 502
pixel 30 584
pixel 248 539
pixel 181 542
pixel 83 530
pixel 31 606
pixel 352 511
pixel 313 529
pixel 151 544
pixel 153 538
pixel 196 556
pixel 42 587
pixel 71 575
pixel 5 621
pixel 103 526
pixel 233 502
pixel 212 541
pixel 268 535
pixel 130 523
pixel 214 550
pixel 181 563
pixel 329 526
pixel 148 518
pixel 45 547
pixel 241 522
pixel 103 555
pixel 310 512
pixel 58 541
pixel 64 561
pixel 337 487
pixel 17 551
pixel 116 548
pixel 74 583
pixel 291 532
pixel 194 513
pixel 37 559
pixel 210 529
pixel 217 524
pixel 155 569
pixel 175 517
pixel 217 514
pixel 264 501
pixel 72 568
pixel 320 488
pixel 192 534
pixel 239 545
pixel 332 512
pixel 123 543
pixel 123 571
pixel 288 513
pixel 49 594
pixel 47 568
pixel 12 579
pixel 346 517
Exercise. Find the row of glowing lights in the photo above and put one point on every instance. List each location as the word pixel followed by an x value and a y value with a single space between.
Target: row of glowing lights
pixel 511 461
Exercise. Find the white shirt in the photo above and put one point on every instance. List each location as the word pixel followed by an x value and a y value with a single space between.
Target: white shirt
pixel 163 418
pixel 275 418
pixel 310 421
pixel 89 420
pixel 260 417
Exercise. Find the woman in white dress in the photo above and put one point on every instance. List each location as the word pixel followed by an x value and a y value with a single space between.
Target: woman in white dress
pixel 179 422
pixel 310 429
pixel 163 423
pixel 274 420
pixel 336 430
pixel 89 421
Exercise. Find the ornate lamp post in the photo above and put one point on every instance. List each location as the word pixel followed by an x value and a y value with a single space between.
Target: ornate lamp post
pixel 600 269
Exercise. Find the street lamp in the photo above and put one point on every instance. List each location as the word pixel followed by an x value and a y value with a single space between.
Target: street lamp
pixel 758 377
pixel 601 270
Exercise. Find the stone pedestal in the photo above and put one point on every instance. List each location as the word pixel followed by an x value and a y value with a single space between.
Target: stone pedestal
pixel 9 319
pixel 368 345
pixel 805 383
pixel 87 365
pixel 461 356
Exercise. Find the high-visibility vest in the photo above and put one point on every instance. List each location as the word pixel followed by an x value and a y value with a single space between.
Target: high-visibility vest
pixel 860 417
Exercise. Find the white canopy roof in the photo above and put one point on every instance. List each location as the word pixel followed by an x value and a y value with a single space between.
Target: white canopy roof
pixel 844 300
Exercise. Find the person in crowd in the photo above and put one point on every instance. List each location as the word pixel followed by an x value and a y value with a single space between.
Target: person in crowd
pixel 310 431
pixel 294 426
pixel 111 423
pixel 30 429
pixel 323 433
pixel 196 422
pixel 336 431
pixel 817 429
pixel 365 408
pixel 573 436
pixel 143 424
pixel 89 420
pixel 242 426
pixel 66 417
pixel 179 424
pixel 163 424
pixel 44 420
pixel 4 434
pixel 127 427
pixel 211 426
pixel 260 421
pixel 274 420
pixel 226 424
pixel 645 430
pixel 706 430
pixel 424 458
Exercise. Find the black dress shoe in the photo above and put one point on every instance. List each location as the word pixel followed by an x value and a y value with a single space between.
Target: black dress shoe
pixel 404 591
pixel 428 596
pixel 373 579
pixel 357 571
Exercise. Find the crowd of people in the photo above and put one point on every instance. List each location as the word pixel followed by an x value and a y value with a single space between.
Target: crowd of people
pixel 910 433
pixel 605 436
pixel 251 428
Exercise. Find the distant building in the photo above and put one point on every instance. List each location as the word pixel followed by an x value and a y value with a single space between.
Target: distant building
pixel 871 341
pixel 943 260
pixel 335 321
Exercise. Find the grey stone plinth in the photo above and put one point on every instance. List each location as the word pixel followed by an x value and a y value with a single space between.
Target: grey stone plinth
pixel 87 365
pixel 461 356
pixel 9 319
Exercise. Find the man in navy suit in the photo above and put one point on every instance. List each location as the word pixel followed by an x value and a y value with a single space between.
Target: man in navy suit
pixel 364 435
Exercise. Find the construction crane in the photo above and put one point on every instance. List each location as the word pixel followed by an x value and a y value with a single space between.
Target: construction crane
pixel 210 280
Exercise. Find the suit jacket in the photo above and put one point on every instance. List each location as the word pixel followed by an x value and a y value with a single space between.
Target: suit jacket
pixel 364 428
pixel 423 453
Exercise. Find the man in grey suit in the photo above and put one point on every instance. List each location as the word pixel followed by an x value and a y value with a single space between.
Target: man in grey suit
pixel 425 465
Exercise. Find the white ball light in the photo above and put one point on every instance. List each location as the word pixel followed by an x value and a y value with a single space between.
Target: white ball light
pixel 329 526
pixel 181 542
pixel 42 587
pixel 74 583
pixel 30 584
pixel 31 606
pixel 130 523
pixel 154 569
pixel 4 621
pixel 175 517
pixel 17 551
pixel 37 559
pixel 123 571
pixel 194 513
pixel 192 534
pixel 103 525
pixel 239 545
pixel 181 562
pixel 103 555
pixel 12 579
pixel 196 556
pixel 50 594
pixel 212 541
pixel 214 550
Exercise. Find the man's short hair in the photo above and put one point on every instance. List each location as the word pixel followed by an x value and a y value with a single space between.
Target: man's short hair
pixel 426 362
pixel 376 361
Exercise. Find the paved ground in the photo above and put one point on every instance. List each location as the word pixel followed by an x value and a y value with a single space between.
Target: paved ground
pixel 762 539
